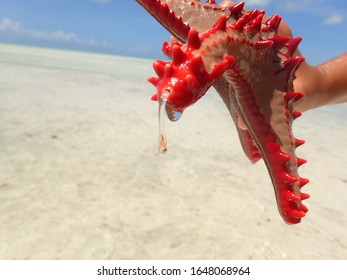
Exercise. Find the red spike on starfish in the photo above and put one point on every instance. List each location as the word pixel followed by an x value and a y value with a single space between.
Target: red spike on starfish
pixel 298 214
pixel 299 142
pixel 303 182
pixel 305 196
pixel 240 24
pixel 286 177
pixel 220 68
pixel 168 70
pixel 293 63
pixel 303 208
pixel 292 196
pixel 255 24
pixel 154 81
pixel 279 41
pixel 282 157
pixel 296 114
pixel 193 39
pixel 221 24
pixel 263 44
pixel 163 11
pixel 292 45
pixel 178 56
pixel 237 8
pixel 272 23
pixel 301 161
pixel 197 65
pixel 166 48
pixel 293 95
pixel 159 67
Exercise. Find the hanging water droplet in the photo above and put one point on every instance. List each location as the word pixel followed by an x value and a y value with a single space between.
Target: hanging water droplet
pixel 175 115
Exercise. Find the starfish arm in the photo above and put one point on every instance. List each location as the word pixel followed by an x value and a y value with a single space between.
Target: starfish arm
pixel 252 69
pixel 179 16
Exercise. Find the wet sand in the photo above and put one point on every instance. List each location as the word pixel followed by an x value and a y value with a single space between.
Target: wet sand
pixel 80 177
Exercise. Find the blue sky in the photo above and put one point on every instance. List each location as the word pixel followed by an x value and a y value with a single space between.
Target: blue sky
pixel 122 27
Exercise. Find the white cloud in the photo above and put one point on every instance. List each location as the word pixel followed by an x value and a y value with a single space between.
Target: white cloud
pixel 12 27
pixel 55 35
pixel 334 19
pixel 102 1
pixel 322 9
pixel 8 25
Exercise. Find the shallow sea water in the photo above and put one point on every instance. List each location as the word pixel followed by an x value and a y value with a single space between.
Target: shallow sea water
pixel 81 178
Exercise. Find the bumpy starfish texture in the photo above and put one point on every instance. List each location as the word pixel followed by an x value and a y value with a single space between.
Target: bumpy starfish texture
pixel 252 68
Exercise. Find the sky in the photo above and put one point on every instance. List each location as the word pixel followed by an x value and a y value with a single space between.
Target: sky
pixel 123 27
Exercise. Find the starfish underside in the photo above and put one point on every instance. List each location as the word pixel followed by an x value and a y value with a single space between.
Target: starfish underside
pixel 252 68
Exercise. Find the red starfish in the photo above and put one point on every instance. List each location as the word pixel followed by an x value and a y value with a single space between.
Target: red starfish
pixel 252 68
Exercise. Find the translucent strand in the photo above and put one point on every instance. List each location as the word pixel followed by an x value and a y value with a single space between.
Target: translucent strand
pixel 162 141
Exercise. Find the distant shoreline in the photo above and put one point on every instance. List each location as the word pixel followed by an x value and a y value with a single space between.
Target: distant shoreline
pixel 75 51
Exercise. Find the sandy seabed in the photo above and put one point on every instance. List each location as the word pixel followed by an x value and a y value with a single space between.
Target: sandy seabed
pixel 80 177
